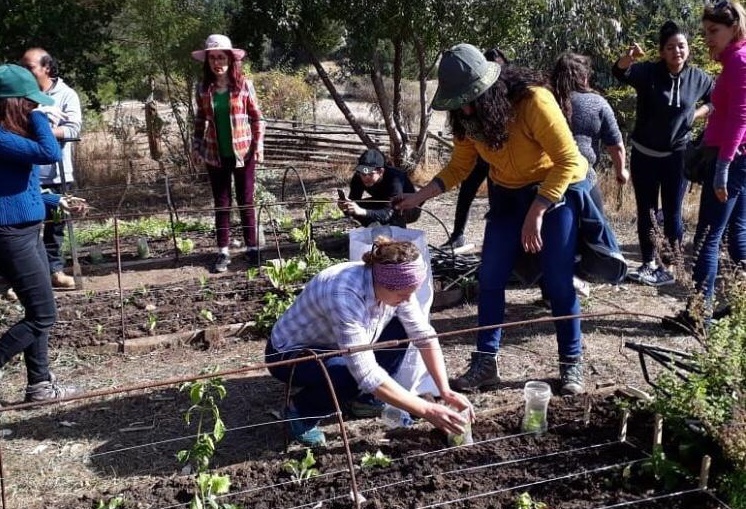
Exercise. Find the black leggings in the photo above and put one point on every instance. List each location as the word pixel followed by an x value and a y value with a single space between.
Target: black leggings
pixel 466 194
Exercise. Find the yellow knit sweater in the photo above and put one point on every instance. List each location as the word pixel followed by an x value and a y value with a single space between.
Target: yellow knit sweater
pixel 540 150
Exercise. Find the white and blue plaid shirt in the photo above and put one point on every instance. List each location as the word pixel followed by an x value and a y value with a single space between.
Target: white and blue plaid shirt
pixel 337 310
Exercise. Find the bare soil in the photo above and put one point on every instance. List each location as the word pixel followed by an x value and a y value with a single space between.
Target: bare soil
pixel 92 450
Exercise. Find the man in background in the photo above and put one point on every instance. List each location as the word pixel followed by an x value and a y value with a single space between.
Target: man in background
pixel 381 183
pixel 66 119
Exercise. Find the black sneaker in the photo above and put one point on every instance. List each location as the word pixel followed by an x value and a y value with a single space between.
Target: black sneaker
pixel 252 256
pixel 482 374
pixel 221 262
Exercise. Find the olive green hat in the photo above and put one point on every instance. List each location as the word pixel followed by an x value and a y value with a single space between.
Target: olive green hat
pixel 463 75
pixel 15 81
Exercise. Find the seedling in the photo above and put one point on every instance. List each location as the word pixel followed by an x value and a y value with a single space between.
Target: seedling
pixel 207 315
pixel 184 246
pixel 209 486
pixel 534 422
pixel 112 503
pixel 524 501
pixel 378 459
pixel 99 329
pixel 204 395
pixel 301 470
pixel 282 273
pixel 252 273
pixel 152 322
pixel 89 294
pixel 142 290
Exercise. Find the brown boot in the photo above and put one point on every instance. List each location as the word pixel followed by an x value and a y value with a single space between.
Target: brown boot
pixel 62 281
pixel 482 374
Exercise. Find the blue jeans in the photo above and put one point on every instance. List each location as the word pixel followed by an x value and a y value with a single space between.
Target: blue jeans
pixel 314 398
pixel 653 176
pixel 23 263
pixel 714 216
pixel 502 242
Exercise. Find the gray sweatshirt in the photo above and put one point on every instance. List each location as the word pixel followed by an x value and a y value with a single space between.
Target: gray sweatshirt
pixel 66 99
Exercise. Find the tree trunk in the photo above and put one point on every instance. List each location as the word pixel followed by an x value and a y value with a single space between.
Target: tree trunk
pixel 425 110
pixel 376 77
pixel 349 116
pixel 397 103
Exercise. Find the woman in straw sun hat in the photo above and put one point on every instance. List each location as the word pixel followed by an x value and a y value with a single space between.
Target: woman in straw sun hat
pixel 508 117
pixel 229 139
pixel 26 140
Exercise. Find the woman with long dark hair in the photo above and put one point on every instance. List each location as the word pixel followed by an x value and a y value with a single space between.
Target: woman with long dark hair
pixel 509 118
pixel 26 140
pixel 671 95
pixel 590 116
pixel 229 139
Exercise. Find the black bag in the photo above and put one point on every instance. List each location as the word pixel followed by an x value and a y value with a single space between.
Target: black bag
pixel 697 159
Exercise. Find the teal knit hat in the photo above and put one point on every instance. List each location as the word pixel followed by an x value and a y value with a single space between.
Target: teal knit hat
pixel 15 81
pixel 463 75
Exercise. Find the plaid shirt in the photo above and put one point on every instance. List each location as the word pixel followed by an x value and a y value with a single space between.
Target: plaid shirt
pixel 338 310
pixel 247 124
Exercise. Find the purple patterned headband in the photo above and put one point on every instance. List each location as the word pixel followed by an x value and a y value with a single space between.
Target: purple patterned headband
pixel 400 276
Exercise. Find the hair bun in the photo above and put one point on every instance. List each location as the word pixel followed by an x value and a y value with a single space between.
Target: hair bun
pixel 669 27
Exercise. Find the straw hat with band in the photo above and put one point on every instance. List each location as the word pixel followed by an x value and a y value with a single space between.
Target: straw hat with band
pixel 16 81
pixel 463 75
pixel 217 42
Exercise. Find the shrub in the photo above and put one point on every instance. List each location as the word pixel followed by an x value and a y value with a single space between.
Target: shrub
pixel 285 96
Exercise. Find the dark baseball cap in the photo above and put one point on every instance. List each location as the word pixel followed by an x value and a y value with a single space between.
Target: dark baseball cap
pixel 369 161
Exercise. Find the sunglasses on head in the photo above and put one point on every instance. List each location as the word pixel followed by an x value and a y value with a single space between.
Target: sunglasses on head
pixel 726 5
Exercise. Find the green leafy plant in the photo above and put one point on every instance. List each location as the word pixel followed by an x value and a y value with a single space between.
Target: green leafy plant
pixel 112 503
pixel 152 322
pixel 524 501
pixel 184 246
pixel 301 470
pixel 252 273
pixel 204 396
pixel 274 306
pixel 283 273
pixel 378 459
pixel 662 469
pixel 534 421
pixel 204 287
pixel 297 235
pixel 206 315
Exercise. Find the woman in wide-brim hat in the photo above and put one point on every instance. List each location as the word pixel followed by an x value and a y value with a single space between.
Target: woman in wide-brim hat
pixel 509 118
pixel 229 139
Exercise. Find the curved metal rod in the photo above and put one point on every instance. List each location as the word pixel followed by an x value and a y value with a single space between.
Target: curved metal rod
pixel 300 179
pixel 445 228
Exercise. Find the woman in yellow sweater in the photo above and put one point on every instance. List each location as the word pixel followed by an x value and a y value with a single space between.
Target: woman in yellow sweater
pixel 511 120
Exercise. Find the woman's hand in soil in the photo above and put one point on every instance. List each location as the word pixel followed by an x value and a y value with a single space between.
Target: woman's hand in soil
pixel 444 418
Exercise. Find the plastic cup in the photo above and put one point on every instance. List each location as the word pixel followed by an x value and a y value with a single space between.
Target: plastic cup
pixel 537 396
pixel 464 438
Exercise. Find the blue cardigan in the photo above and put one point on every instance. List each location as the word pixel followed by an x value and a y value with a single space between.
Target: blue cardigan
pixel 20 193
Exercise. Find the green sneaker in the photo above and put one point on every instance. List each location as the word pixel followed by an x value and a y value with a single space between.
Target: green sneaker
pixel 571 375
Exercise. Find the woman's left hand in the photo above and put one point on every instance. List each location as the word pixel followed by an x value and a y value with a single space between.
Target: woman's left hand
pixel 531 231
pixel 74 205
pixel 458 401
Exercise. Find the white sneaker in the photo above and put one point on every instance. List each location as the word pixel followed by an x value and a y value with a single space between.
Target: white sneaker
pixel 582 287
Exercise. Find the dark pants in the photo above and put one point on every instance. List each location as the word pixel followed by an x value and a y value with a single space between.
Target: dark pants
pixel 466 194
pixel 501 248
pixel 314 398
pixel 714 217
pixel 54 232
pixel 221 183
pixel 652 176
pixel 23 263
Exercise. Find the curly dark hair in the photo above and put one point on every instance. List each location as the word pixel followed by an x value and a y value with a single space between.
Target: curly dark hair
pixel 495 108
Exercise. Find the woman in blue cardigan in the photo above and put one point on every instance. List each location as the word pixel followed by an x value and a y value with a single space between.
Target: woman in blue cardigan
pixel 26 140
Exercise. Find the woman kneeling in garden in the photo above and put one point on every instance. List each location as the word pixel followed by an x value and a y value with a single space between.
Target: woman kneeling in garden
pixel 349 305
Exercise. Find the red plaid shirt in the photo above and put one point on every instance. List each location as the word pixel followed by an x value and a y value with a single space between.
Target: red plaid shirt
pixel 247 124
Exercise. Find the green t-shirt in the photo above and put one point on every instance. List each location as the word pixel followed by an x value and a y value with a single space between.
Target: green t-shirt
pixel 221 109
